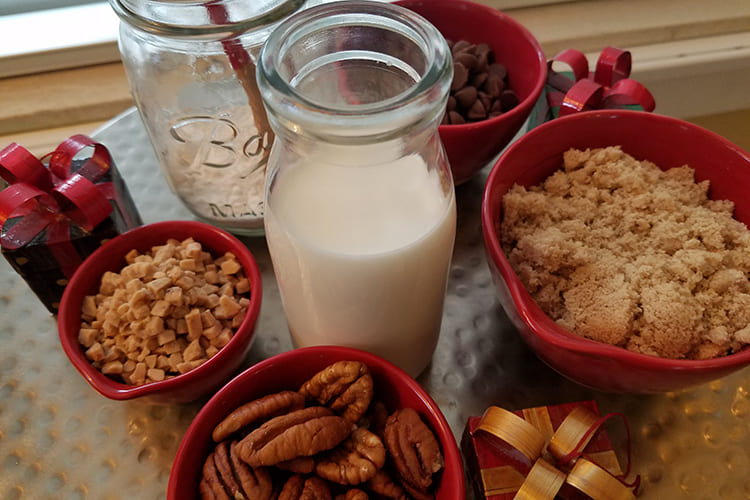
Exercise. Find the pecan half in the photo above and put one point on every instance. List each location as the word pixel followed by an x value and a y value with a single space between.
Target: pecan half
pixel 211 485
pixel 300 433
pixel 413 447
pixel 344 386
pixel 354 461
pixel 298 487
pixel 292 488
pixel 353 494
pixel 227 477
pixel 226 472
pixel 204 488
pixel 257 483
pixel 258 411
pixel 299 465
pixel 382 484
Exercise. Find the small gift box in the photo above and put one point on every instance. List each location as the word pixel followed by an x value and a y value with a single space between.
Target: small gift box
pixel 548 452
pixel 56 211
pixel 579 89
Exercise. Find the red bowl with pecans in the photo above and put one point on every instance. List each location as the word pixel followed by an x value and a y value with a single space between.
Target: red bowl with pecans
pixel 140 349
pixel 473 145
pixel 289 371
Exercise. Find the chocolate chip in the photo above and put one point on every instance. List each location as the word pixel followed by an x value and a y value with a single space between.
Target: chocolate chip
pixel 498 69
pixel 466 97
pixel 460 76
pixel 477 111
pixel 467 59
pixel 484 54
pixel 461 45
pixel 451 106
pixel 485 98
pixel 478 79
pixel 493 86
pixel 455 118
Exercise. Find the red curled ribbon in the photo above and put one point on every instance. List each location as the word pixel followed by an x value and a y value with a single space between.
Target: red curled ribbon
pixel 51 198
pixel 607 87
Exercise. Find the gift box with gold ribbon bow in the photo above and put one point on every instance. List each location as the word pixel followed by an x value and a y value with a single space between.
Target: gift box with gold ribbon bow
pixel 57 210
pixel 578 89
pixel 548 452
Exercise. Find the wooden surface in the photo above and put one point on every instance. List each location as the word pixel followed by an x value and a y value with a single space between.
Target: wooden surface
pixel 734 125
pixel 590 25
pixel 63 97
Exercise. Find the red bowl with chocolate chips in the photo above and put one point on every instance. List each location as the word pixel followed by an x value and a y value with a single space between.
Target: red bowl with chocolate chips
pixel 190 382
pixel 288 371
pixel 473 145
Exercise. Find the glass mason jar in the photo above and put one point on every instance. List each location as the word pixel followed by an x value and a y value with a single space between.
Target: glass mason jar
pixel 360 205
pixel 191 69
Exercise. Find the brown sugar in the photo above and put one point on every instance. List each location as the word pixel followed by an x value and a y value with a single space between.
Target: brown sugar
pixel 619 251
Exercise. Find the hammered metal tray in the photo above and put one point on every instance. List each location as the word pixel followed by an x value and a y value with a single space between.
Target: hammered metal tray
pixel 61 439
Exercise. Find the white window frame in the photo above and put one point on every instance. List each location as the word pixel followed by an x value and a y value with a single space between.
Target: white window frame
pixel 60 38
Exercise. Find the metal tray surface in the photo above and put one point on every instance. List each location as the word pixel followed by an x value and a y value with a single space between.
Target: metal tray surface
pixel 61 439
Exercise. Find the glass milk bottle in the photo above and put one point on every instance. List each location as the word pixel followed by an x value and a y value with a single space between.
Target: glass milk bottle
pixel 191 69
pixel 360 206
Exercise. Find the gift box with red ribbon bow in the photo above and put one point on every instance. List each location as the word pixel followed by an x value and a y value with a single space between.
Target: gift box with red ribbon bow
pixel 579 89
pixel 548 452
pixel 57 210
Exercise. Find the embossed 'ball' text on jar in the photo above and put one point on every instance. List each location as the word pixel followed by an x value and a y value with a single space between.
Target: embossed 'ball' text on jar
pixel 360 203
pixel 191 69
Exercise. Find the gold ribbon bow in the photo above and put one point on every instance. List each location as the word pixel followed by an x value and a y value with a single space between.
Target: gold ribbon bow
pixel 563 449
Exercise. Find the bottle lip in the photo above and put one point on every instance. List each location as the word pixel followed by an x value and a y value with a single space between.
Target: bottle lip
pixel 417 105
pixel 201 18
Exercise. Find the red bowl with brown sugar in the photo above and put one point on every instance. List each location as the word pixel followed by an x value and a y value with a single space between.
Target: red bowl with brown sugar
pixel 288 371
pixel 185 387
pixel 472 146
pixel 665 141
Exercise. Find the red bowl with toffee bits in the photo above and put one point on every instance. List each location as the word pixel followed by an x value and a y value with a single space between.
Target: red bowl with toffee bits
pixel 228 447
pixel 499 73
pixel 185 313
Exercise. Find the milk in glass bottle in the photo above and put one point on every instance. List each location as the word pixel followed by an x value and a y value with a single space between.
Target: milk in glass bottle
pixel 360 205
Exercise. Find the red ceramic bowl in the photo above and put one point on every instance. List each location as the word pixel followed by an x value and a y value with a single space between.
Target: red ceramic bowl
pixel 288 371
pixel 668 142
pixel 472 146
pixel 194 384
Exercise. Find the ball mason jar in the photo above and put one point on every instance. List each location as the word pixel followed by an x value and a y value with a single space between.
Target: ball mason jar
pixel 360 206
pixel 191 70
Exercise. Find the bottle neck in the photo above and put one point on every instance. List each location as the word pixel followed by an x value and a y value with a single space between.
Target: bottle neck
pixel 355 73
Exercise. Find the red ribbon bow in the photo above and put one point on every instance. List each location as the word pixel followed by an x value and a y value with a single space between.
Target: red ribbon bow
pixel 607 87
pixel 52 198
